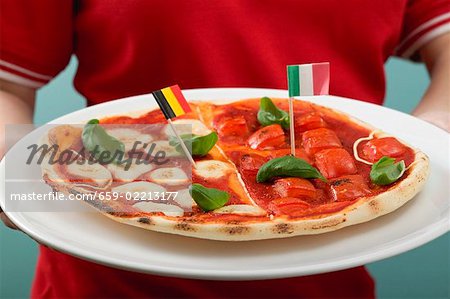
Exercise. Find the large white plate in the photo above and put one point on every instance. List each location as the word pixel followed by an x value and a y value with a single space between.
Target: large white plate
pixel 93 237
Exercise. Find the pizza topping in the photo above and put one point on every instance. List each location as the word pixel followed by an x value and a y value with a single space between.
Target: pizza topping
pixel 289 206
pixel 355 148
pixel 241 210
pixel 66 137
pixel 187 126
pixel 308 122
pixel 212 169
pixel 121 173
pixel 154 207
pixel 169 176
pixel 375 149
pixel 251 163
pixel 335 162
pixel 267 138
pixel 233 126
pixel 164 146
pixel 270 114
pixel 139 190
pixel 208 199
pixel 299 153
pixel 184 199
pixel 130 138
pixel 320 139
pixel 91 174
pixel 386 171
pixel 199 145
pixel 348 187
pixel 287 166
pixel 102 146
pixel 295 187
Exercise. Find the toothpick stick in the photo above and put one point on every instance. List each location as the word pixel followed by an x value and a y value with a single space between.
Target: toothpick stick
pixel 183 146
pixel 291 125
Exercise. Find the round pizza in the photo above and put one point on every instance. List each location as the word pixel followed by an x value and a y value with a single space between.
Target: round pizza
pixel 245 184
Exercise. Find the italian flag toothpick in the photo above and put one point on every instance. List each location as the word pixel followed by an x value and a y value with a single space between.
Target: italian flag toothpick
pixel 308 79
pixel 305 80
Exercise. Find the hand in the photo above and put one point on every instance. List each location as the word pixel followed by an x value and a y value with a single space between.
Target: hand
pixel 7 221
pixel 440 119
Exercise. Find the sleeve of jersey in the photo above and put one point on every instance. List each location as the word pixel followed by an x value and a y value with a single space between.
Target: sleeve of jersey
pixel 36 40
pixel 423 21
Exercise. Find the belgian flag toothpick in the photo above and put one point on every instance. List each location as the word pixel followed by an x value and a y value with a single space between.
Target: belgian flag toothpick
pixel 173 104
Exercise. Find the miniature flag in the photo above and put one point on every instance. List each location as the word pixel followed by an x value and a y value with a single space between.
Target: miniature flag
pixel 308 79
pixel 171 101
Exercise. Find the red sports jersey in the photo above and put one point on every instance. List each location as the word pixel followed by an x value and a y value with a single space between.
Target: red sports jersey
pixel 132 47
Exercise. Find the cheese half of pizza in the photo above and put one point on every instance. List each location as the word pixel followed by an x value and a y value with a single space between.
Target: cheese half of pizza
pixel 245 185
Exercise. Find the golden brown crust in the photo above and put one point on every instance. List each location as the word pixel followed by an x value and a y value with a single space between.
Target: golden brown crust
pixel 363 210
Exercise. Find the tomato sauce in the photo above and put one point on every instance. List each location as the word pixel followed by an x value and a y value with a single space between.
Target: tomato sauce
pixel 233 139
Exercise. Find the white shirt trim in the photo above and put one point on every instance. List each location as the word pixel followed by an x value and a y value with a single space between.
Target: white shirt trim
pixel 423 27
pixel 24 70
pixel 444 28
pixel 20 80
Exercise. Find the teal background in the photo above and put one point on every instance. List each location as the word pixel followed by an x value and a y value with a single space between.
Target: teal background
pixel 420 273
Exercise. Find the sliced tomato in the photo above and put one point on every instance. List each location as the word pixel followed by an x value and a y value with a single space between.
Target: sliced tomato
pixel 295 187
pixel 308 122
pixel 289 206
pixel 335 162
pixel 236 126
pixel 379 147
pixel 348 187
pixel 299 153
pixel 251 163
pixel 319 139
pixel 267 138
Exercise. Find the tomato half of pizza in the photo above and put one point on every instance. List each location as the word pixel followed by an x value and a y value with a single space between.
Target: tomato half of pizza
pixel 246 184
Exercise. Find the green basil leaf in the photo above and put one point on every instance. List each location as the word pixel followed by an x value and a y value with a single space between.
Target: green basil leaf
pixel 288 166
pixel 199 145
pixel 104 147
pixel 386 171
pixel 270 114
pixel 208 199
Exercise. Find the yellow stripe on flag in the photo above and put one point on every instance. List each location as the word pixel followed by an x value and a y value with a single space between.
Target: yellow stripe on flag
pixel 173 101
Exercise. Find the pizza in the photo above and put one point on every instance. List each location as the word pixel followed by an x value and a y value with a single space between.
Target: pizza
pixel 245 185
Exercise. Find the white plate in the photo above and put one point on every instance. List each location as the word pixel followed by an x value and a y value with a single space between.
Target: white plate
pixel 93 237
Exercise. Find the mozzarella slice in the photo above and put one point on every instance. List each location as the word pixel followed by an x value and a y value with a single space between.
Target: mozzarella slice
pixel 355 148
pixel 164 146
pixel 241 210
pixel 140 190
pixel 169 176
pixel 129 137
pixel 212 169
pixel 191 126
pixel 127 175
pixel 98 175
pixel 184 199
pixel 166 209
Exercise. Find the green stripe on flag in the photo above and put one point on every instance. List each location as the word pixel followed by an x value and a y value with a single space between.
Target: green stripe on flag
pixel 293 80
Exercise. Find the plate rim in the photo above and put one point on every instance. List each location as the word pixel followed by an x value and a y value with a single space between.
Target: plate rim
pixel 427 234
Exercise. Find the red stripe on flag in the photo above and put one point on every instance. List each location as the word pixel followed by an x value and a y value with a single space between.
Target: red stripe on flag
pixel 321 78
pixel 181 99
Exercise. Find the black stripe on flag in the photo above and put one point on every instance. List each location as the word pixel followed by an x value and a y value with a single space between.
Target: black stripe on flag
pixel 163 104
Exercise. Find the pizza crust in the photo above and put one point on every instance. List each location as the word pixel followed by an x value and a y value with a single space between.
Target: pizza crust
pixel 365 209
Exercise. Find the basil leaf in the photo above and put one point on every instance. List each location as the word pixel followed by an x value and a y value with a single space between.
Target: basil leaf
pixel 269 114
pixel 386 171
pixel 104 147
pixel 208 199
pixel 288 166
pixel 199 145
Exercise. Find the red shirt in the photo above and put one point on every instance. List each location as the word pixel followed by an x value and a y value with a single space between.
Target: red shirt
pixel 131 47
